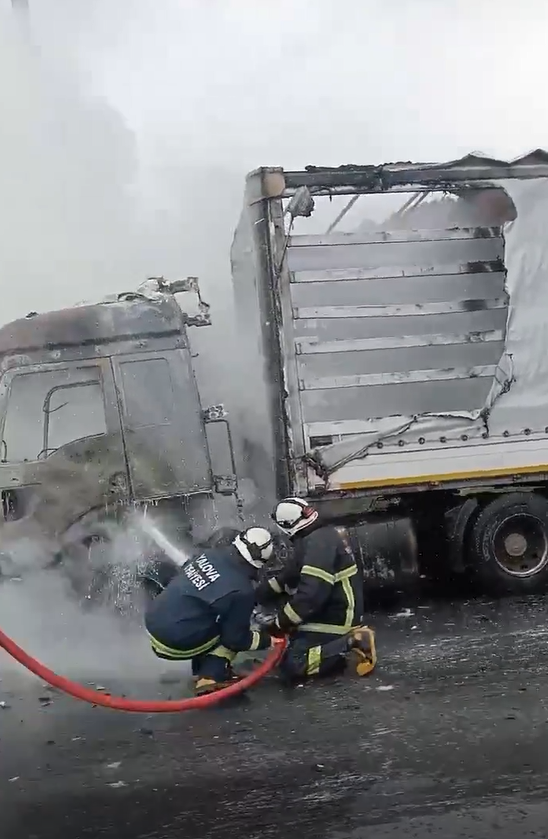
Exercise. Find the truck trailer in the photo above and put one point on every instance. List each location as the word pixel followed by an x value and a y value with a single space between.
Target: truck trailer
pixel 392 373
pixel 399 370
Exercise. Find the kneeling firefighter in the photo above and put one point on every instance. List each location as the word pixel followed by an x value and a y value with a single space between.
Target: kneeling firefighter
pixel 323 591
pixel 204 613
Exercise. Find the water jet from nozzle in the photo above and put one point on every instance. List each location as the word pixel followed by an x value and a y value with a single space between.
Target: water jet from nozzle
pixel 178 556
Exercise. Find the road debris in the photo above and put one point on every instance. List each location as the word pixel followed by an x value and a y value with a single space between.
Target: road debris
pixel 405 613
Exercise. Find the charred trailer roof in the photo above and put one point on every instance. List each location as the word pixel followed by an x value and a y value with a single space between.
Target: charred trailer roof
pixel 350 179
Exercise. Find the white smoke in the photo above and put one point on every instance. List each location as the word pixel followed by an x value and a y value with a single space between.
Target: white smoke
pixel 212 90
pixel 66 180
pixel 50 613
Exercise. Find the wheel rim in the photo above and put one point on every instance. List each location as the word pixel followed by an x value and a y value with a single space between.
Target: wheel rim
pixel 520 546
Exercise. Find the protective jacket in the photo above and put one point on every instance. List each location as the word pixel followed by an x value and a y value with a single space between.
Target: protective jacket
pixel 323 582
pixel 211 599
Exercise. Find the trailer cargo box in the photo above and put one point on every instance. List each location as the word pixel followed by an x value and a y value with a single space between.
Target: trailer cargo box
pixel 403 357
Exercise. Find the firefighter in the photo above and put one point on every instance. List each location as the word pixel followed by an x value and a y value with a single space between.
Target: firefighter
pixel 322 587
pixel 204 613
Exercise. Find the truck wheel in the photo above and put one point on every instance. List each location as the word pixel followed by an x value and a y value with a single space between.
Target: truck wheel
pixel 510 544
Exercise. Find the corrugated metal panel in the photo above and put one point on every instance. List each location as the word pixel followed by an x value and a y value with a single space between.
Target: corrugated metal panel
pixel 404 310
pixel 373 379
pixel 393 400
pixel 397 272
pixel 386 237
pixel 479 321
pixel 355 251
pixel 398 323
pixel 399 359
pixel 406 290
pixel 311 346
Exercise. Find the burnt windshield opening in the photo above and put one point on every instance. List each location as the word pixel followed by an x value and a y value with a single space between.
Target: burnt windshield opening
pixel 46 409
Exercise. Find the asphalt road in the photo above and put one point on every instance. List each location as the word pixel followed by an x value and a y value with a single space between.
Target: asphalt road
pixel 448 739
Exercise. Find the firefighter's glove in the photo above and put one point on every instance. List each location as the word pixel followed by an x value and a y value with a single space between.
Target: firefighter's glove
pixel 274 629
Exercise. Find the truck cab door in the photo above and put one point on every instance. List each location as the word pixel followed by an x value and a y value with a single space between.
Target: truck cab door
pixel 163 426
pixel 62 450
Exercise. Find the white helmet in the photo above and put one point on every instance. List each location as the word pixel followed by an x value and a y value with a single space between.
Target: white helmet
pixel 255 545
pixel 293 514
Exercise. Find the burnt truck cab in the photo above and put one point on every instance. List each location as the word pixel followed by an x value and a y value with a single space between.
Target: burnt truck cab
pixel 100 409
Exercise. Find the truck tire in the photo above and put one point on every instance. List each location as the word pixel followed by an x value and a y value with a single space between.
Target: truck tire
pixel 509 542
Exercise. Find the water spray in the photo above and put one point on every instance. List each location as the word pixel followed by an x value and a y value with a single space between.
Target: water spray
pixel 178 556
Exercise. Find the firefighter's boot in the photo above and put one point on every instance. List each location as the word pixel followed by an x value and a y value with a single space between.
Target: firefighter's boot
pixel 204 686
pixel 362 650
pixel 213 673
pixel 231 676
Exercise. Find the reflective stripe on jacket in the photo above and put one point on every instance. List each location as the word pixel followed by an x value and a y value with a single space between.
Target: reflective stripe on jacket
pixel 212 598
pixel 325 581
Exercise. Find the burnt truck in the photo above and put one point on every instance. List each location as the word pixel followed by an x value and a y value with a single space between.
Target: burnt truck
pixel 393 371
pixel 100 415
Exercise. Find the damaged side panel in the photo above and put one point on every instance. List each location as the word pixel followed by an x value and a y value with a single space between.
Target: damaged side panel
pixel 407 348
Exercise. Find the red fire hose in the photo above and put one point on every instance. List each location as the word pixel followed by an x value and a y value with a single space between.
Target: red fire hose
pixel 120 703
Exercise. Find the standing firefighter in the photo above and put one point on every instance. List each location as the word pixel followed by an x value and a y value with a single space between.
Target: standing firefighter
pixel 204 613
pixel 323 591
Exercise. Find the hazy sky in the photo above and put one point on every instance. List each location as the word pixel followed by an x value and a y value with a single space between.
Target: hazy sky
pixel 296 81
pixel 213 88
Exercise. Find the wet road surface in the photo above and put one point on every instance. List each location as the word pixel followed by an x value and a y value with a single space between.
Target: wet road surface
pixel 448 739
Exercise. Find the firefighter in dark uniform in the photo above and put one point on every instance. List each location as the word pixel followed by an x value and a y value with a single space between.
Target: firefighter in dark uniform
pixel 204 613
pixel 322 589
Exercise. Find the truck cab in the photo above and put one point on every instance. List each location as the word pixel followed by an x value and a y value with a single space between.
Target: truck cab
pixel 100 409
